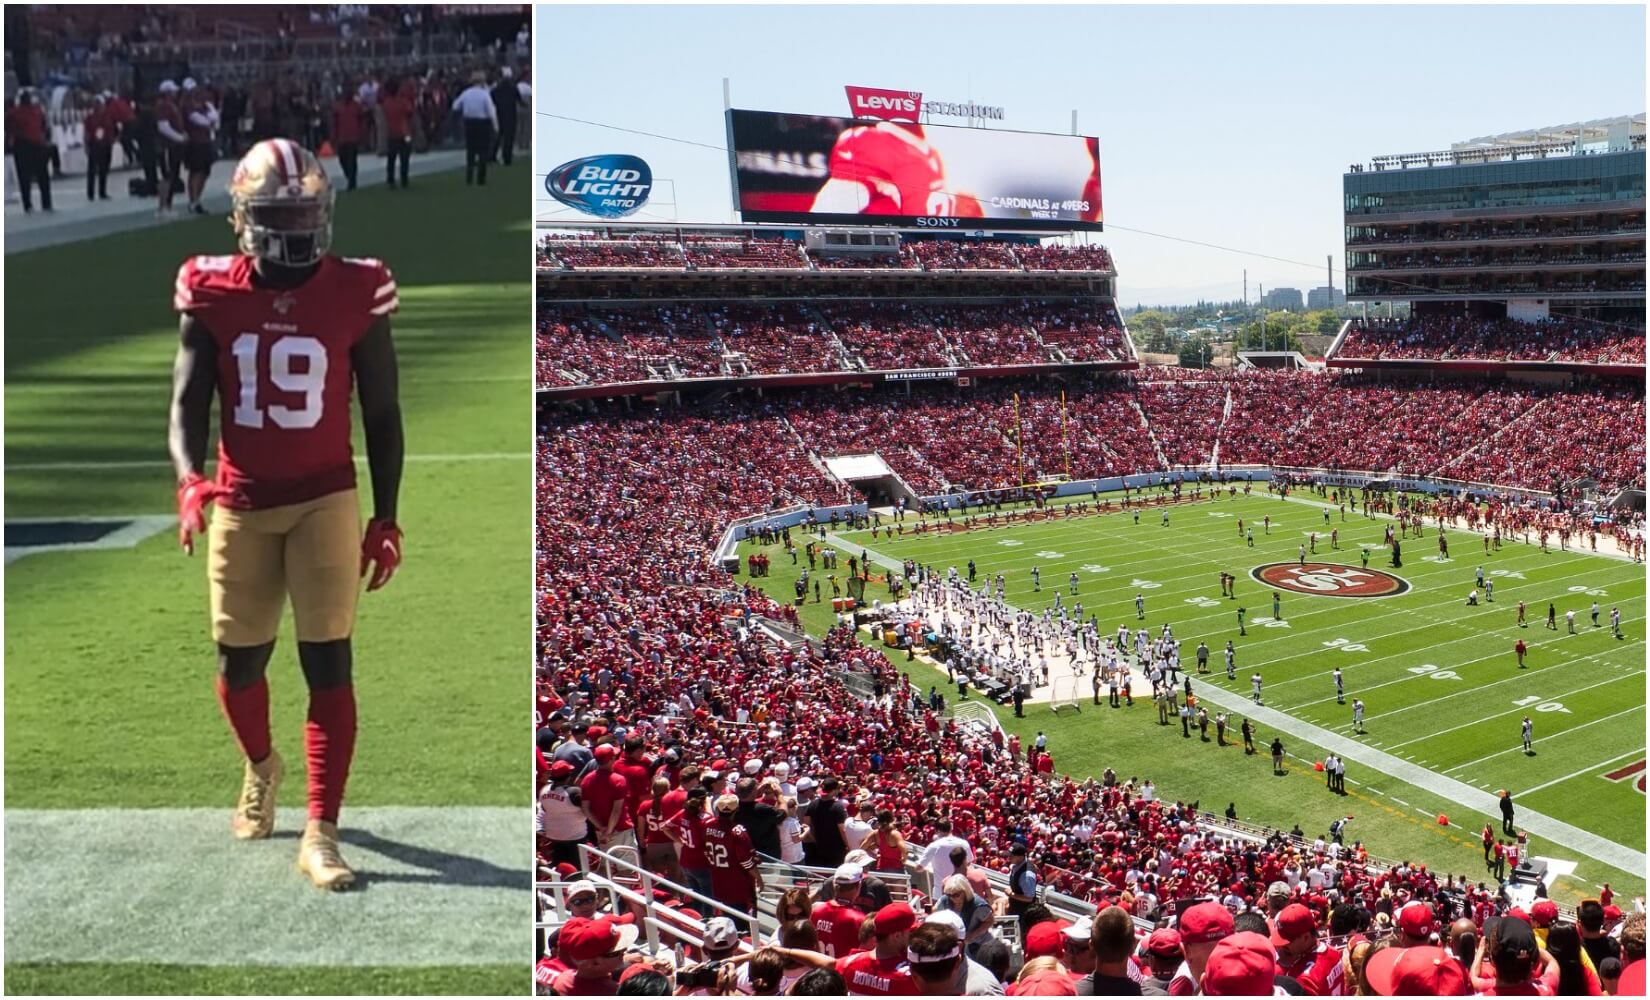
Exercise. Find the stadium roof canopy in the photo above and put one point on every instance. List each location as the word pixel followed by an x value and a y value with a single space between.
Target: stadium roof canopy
pixel 1601 135
pixel 1583 133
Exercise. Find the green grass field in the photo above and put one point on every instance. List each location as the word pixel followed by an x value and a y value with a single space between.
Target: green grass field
pixel 1440 680
pixel 109 663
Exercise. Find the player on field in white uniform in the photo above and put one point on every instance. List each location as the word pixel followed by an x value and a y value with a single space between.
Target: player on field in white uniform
pixel 1529 729
pixel 1357 715
pixel 1340 689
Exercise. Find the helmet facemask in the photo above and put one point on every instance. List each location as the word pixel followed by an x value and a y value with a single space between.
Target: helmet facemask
pixel 285 231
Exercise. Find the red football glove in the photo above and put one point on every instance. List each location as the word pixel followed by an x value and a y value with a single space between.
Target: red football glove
pixel 380 550
pixel 194 493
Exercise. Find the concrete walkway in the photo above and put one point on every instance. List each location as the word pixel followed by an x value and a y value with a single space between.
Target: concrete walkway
pixel 74 218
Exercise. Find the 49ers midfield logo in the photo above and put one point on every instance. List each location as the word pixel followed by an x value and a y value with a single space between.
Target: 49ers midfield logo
pixel 1329 580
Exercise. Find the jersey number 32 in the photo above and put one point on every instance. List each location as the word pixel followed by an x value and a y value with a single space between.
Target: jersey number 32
pixel 297 365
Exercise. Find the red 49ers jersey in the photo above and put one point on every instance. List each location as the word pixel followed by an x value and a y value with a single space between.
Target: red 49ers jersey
pixel 284 372
pixel 901 169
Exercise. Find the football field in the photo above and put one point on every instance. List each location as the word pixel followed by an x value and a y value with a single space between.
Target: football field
pixel 1444 694
pixel 121 875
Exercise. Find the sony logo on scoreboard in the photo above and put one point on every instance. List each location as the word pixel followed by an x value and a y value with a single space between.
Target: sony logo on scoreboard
pixel 887 105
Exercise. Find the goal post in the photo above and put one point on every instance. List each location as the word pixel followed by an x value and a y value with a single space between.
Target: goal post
pixel 1066 692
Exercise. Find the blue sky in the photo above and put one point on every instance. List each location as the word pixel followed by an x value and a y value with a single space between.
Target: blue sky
pixel 1229 125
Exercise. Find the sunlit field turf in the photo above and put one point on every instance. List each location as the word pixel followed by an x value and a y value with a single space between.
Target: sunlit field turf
pixel 109 663
pixel 1439 679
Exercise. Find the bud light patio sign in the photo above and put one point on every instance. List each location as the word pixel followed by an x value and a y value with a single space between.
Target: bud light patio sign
pixel 610 186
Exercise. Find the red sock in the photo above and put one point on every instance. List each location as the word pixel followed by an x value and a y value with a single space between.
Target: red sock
pixel 247 710
pixel 329 744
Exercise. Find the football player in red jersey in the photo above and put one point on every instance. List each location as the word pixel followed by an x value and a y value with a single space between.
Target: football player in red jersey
pixel 889 168
pixel 280 332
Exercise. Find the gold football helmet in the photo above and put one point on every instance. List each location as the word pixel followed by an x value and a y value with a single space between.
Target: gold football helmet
pixel 282 203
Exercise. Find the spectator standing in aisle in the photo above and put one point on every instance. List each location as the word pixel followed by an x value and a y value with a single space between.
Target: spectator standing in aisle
pixel 1022 881
pixel 475 105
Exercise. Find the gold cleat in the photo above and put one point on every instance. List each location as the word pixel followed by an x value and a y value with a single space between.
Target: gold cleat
pixel 318 857
pixel 254 816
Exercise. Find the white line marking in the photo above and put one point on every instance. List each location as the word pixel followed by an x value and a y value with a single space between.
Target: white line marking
pixel 1550 736
pixel 1576 774
pixel 1509 711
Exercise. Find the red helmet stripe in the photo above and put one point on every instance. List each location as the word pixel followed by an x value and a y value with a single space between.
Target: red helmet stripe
pixel 287 160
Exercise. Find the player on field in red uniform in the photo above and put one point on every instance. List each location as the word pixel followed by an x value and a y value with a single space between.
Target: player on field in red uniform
pixel 281 332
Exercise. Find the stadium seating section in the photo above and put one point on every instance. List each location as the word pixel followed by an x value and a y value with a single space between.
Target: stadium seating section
pixel 1468 339
pixel 652 250
pixel 580 345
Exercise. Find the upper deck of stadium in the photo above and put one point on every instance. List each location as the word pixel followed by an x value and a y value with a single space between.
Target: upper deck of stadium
pixel 624 308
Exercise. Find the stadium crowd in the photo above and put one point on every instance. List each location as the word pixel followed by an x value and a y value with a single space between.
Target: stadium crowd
pixel 573 251
pixel 1474 339
pixel 823 336
pixel 671 724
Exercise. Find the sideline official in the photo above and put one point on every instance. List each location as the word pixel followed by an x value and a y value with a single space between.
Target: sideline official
pixel 480 115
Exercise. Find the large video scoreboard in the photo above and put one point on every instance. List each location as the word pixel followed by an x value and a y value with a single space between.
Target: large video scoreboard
pixel 813 169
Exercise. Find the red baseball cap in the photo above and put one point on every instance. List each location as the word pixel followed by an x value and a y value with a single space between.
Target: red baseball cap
pixel 1415 919
pixel 583 939
pixel 1612 913
pixel 895 917
pixel 1047 939
pixel 1543 913
pixel 1204 923
pixel 1164 943
pixel 1242 965
pixel 561 769
pixel 1419 971
pixel 1294 921
pixel 606 752
pixel 1051 983
pixel 596 732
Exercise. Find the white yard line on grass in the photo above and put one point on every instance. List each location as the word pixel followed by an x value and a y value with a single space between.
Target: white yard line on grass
pixel 1497 715
pixel 1591 845
pixel 1576 774
pixel 1543 739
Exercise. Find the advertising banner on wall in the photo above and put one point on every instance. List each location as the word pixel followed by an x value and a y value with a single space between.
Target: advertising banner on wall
pixel 610 186
pixel 813 169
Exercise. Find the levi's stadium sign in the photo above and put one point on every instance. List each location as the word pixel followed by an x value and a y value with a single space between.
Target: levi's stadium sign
pixel 610 186
pixel 1329 580
pixel 886 105
pixel 907 106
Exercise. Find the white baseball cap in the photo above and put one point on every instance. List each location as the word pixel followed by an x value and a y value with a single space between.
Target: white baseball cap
pixel 805 783
pixel 720 934
pixel 168 87
pixel 947 918
pixel 848 874
pixel 753 766
pixel 188 83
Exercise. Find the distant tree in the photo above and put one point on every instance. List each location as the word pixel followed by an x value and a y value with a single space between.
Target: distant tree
pixel 1195 353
